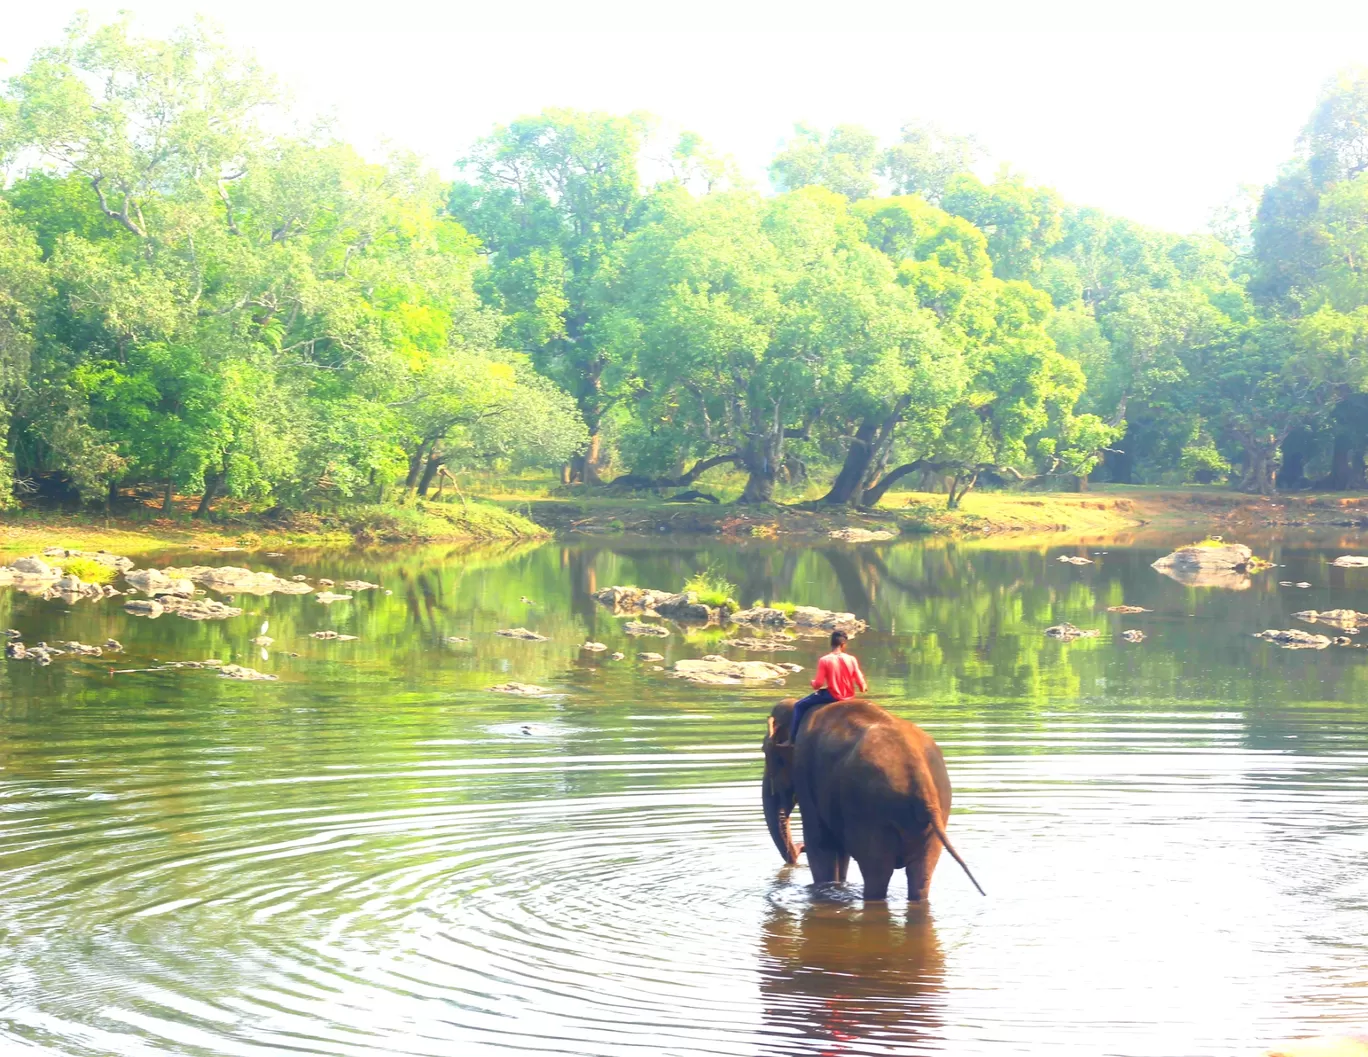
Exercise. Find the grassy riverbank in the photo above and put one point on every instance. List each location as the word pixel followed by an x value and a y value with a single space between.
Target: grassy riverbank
pixel 31 530
pixel 535 514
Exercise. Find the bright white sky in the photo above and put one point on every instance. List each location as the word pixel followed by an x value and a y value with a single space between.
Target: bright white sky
pixel 1158 110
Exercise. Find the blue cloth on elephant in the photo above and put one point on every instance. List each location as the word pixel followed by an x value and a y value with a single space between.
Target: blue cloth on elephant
pixel 805 705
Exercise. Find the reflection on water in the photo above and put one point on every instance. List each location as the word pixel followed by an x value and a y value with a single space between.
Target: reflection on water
pixel 848 979
pixel 376 855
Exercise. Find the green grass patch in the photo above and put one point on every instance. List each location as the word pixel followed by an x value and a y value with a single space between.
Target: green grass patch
pixel 712 589
pixel 87 570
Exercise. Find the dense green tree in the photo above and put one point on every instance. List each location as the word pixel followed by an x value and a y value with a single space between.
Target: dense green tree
pixel 843 162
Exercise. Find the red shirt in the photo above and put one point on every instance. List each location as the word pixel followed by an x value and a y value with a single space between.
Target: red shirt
pixel 840 673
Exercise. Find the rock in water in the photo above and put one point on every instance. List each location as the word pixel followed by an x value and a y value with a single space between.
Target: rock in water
pixel 34 567
pixel 649 657
pixel 521 633
pixel 1350 561
pixel 359 585
pixel 861 535
pixel 1067 632
pixel 332 635
pixel 523 689
pixel 713 670
pixel 1295 639
pixel 1346 619
pixel 197 608
pixel 804 619
pixel 1075 560
pixel 250 675
pixel 616 656
pixel 760 645
pixel 144 607
pixel 1127 609
pixel 154 582
pixel 328 598
pixel 594 647
pixel 1133 635
pixel 640 627
pixel 232 579
pixel 1224 565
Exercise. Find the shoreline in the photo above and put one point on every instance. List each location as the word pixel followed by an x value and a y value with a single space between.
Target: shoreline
pixel 1025 517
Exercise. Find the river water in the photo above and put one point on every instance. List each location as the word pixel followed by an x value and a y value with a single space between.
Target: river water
pixel 377 855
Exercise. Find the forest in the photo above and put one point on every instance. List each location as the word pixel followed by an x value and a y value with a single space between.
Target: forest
pixel 203 294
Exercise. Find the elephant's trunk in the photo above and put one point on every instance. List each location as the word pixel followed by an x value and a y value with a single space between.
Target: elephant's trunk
pixel 777 797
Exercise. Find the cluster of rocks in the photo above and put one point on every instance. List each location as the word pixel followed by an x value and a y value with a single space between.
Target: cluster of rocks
pixel 230 579
pixel 682 606
pixel 1346 619
pixel 43 654
pixel 189 608
pixel 1295 639
pixel 640 627
pixel 802 619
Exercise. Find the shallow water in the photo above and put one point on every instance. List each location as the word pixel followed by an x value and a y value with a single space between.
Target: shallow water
pixel 376 855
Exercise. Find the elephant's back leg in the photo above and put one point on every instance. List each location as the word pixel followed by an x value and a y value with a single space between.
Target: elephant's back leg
pixel 922 851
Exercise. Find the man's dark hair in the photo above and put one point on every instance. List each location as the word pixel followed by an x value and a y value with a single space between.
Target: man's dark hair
pixel 839 638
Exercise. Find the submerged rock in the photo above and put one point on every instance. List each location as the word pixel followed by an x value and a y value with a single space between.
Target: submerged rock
pixel 115 561
pixel 359 585
pixel 616 656
pixel 231 578
pixel 80 649
pixel 154 582
pixel 198 608
pixel 144 607
pixel 594 647
pixel 250 675
pixel 520 633
pixel 328 598
pixel 640 627
pixel 523 689
pixel 1223 565
pixel 1341 618
pixel 650 657
pixel 1128 609
pixel 332 635
pixel 112 646
pixel 455 639
pixel 1133 635
pixel 1068 632
pixel 803 619
pixel 761 645
pixel 861 535
pixel 714 670
pixel 1350 561
pixel 1072 559
pixel 1295 639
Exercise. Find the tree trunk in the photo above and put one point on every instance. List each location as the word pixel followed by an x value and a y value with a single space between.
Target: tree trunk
pixel 167 507
pixel 434 460
pixel 212 483
pixel 872 495
pixel 567 473
pixel 1341 471
pixel 845 490
pixel 415 468
pixel 1260 469
pixel 761 460
pixel 957 493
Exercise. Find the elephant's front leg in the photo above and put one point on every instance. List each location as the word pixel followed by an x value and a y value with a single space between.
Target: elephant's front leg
pixel 825 864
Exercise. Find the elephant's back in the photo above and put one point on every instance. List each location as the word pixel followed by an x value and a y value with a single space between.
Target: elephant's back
pixel 896 758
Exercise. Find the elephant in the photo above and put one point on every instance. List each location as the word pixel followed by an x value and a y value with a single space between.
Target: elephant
pixel 870 785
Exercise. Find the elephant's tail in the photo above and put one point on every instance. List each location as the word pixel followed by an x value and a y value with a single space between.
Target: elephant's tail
pixel 940 832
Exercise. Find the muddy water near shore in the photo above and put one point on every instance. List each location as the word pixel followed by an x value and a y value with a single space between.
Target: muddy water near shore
pixel 376 855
